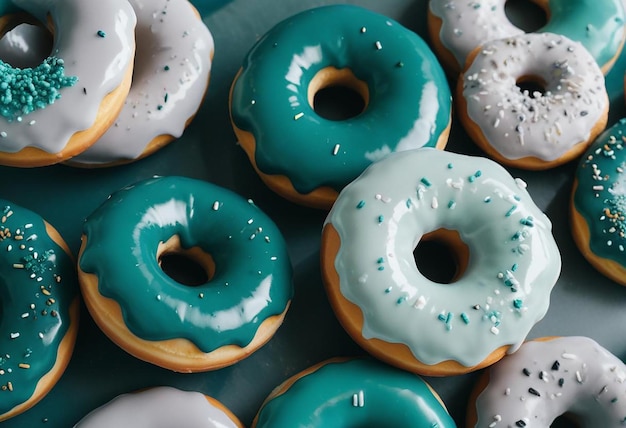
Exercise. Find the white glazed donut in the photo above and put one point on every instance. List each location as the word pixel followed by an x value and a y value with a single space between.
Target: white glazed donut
pixel 174 54
pixel 532 130
pixel 457 27
pixel 73 96
pixel 161 407
pixel 547 378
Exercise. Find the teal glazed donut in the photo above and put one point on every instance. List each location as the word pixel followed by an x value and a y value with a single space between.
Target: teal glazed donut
pixel 39 307
pixel 598 205
pixel 307 158
pixel 358 392
pixel 154 317
pixel 457 27
pixel 398 314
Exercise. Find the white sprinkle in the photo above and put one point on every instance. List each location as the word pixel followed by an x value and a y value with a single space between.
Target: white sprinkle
pixel 598 187
pixel 507 391
pixel 435 203
pixel 361 399
pixel 252 236
pixel 521 183
pixel 494 330
pixel 18 266
pixel 298 116
pixel 496 123
pixel 355 400
pixel 25 315
pixel 363 279
pixel 158 297
pixel 273 258
pixel 250 221
pixel 579 377
pixel 336 149
pixel 216 205
pixel 9 247
pixel 40 334
pixel 32 122
pixel 420 302
pixel 378 45
pixel 14 335
pixel 3 134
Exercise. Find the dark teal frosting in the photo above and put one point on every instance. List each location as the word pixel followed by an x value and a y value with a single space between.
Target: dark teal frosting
pixel 37 285
pixel 356 393
pixel 409 98
pixel 253 274
pixel 600 197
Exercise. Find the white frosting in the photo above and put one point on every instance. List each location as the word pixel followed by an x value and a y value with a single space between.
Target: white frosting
pixel 544 380
pixel 99 63
pixel 169 35
pixel 161 407
pixel 467 24
pixel 547 125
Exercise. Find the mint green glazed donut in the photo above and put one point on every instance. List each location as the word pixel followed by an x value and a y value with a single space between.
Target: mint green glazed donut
pixel 354 393
pixel 408 101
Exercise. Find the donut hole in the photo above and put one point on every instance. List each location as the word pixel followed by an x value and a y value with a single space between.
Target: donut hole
pixel 441 256
pixel 24 41
pixel 187 266
pixel 526 15
pixel 337 94
pixel 534 86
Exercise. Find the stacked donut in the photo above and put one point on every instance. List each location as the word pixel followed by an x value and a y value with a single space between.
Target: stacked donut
pixel 121 81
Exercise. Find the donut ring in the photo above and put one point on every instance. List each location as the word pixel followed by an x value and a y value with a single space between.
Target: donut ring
pixel 532 130
pixel 306 158
pixel 57 109
pixel 549 377
pixel 179 327
pixel 458 27
pixel 161 407
pixel 597 204
pixel 358 392
pixel 39 308
pixel 396 313
pixel 168 84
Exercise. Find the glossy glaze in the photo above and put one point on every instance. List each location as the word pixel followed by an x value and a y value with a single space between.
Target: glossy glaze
pixel 544 380
pixel 37 285
pixel 513 261
pixel 542 125
pixel 96 44
pixel 600 196
pixel 355 393
pixel 409 98
pixel 598 25
pixel 160 407
pixel 252 278
pixel 172 66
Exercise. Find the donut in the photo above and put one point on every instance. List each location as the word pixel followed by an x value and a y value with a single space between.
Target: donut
pixel 597 207
pixel 354 392
pixel 550 377
pixel 55 110
pixel 507 263
pixel 307 158
pixel 171 76
pixel 39 307
pixel 160 320
pixel 457 27
pixel 161 407
pixel 530 129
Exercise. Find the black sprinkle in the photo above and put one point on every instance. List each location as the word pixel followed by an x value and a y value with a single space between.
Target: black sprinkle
pixel 584 113
pixel 520 423
pixel 561 382
pixel 526 371
pixel 85 91
pixel 476 307
pixel 533 391
pixel 541 375
pixel 556 365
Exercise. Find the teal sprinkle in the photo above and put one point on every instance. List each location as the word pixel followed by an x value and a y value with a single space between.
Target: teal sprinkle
pixel 388 290
pixel 22 91
pixel 360 205
pixel 166 68
pixel 165 98
pixel 380 260
pixel 159 107
pixel 517 303
pixel 451 205
pixel 441 317
pixel 425 182
pixel 516 236
pixel 528 221
pixel 465 318
pixel 514 267
pixel 517 198
pixel 101 33
pixel 478 173
pixel 471 178
pixel 401 299
pixel 409 203
pixel 487 199
pixel 381 268
pixel 450 166
pixel 381 218
pixel 614 400
pixel 511 211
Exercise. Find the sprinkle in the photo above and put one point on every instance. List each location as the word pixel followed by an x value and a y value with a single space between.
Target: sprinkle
pixel 435 203
pixel 517 303
pixel 556 365
pixel 520 423
pixel 526 371
pixel 379 46
pixel 494 330
pixel 216 205
pixel 465 318
pixel 363 30
pixel 166 68
pixel 336 149
pixel 487 199
pixel 23 366
pixel 14 335
pixel 579 377
pixel 568 356
pixel 101 34
pixel 425 182
pixel 420 302
pixel 360 205
pixel 451 205
pixel 298 116
pixel 533 391
pixel 18 266
pixel 381 218
pixel 510 211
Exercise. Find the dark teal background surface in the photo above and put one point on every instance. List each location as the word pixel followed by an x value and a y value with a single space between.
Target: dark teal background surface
pixel 583 302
